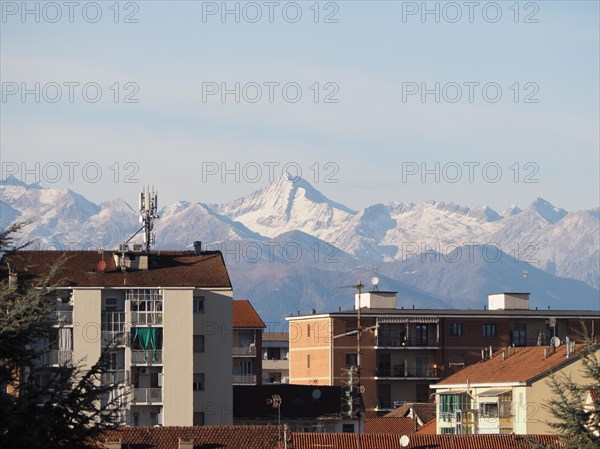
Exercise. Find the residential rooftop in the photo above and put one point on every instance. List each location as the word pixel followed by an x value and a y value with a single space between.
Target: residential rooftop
pixel 522 365
pixel 244 316
pixel 87 269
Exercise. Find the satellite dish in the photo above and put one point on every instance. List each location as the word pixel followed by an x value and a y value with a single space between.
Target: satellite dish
pixel 316 394
pixel 141 219
pixel 404 441
pixel 101 266
pixel 375 281
pixel 555 341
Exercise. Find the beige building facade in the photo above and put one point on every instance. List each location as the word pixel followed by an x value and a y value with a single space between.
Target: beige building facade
pixel 169 317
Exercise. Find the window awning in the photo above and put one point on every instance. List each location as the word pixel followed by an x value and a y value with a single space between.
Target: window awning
pixel 494 392
pixel 408 319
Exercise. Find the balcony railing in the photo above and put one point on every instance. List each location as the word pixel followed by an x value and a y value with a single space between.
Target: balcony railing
pixel 147 395
pixel 244 379
pixel 384 403
pixel 244 350
pixel 146 318
pixel 400 372
pixel 61 316
pixel 53 358
pixel 117 338
pixel 147 357
pixel 406 342
pixel 115 377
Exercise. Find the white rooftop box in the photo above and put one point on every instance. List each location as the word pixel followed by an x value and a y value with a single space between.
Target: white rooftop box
pixel 508 301
pixel 375 300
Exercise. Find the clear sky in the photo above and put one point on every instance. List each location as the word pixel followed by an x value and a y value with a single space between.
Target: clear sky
pixel 360 96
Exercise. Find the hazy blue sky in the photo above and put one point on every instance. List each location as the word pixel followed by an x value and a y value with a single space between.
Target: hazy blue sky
pixel 369 56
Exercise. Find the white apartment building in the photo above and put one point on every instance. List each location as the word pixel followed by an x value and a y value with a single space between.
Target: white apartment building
pixel 170 313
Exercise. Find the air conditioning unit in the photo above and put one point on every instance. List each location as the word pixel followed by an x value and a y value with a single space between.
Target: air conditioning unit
pixel 144 371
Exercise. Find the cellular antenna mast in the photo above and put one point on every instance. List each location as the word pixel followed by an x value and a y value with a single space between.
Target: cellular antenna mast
pixel 148 213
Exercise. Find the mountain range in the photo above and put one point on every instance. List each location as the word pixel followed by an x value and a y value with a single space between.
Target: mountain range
pixel 288 247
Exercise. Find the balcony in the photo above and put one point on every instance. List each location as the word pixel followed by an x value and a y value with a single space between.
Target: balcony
pixel 60 317
pixel 147 318
pixel 53 358
pixel 148 357
pixel 386 342
pixel 146 396
pixel 400 372
pixel 115 377
pixel 244 379
pixel 244 351
pixel 116 338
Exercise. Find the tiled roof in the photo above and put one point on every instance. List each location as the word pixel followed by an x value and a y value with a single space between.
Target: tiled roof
pixel 424 410
pixel 428 429
pixel 214 437
pixel 244 315
pixel 80 269
pixel 397 426
pixel 379 441
pixel 523 365
pixel 276 336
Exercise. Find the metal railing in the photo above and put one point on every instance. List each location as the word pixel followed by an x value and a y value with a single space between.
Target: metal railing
pixel 146 395
pixel 115 377
pixel 145 318
pixel 53 357
pixel 244 350
pixel 400 372
pixel 117 338
pixel 402 342
pixel 244 378
pixel 61 316
pixel 147 357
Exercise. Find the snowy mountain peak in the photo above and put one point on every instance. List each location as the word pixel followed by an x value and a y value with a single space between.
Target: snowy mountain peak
pixel 15 182
pixel 547 211
pixel 511 210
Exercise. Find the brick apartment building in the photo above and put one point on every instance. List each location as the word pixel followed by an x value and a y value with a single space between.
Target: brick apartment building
pixel 404 351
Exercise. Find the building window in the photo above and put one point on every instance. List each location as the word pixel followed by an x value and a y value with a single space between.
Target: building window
pixel 351 325
pixel 348 428
pixel 489 330
pixel 455 329
pixel 421 334
pixel 308 360
pixel 198 381
pixel 199 343
pixel 198 419
pixel 520 334
pixel 308 330
pixel 351 359
pixel 198 304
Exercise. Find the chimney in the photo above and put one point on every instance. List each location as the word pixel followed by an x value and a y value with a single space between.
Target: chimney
pixel 113 443
pixel 197 247
pixel 186 443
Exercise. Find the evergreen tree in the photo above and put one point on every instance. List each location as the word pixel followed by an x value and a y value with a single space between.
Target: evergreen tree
pixel 69 407
pixel 578 421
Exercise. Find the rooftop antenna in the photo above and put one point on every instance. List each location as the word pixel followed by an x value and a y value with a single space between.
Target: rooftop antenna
pixel 148 213
pixel 148 206
pixel 526 276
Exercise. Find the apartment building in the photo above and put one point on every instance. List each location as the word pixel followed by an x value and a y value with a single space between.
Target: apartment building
pixel 405 350
pixel 169 313
pixel 276 363
pixel 247 344
pixel 507 392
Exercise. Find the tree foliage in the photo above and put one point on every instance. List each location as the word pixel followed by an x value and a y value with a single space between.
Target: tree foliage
pixel 577 420
pixel 67 406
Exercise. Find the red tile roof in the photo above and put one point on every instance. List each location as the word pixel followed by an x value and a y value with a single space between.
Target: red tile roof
pixel 525 364
pixel 244 315
pixel 378 441
pixel 398 425
pixel 214 437
pixel 428 429
pixel 80 269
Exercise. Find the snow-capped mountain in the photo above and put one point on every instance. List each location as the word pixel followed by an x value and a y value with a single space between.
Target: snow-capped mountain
pixel 288 236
